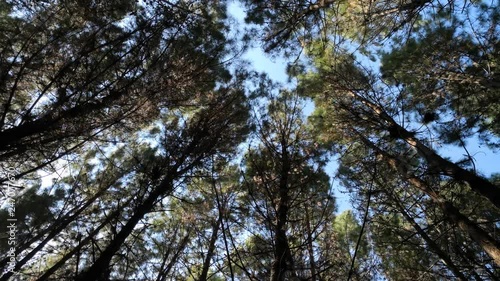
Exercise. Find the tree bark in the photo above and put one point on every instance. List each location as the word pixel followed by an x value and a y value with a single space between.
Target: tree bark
pixel 211 250
pixel 100 266
pixel 283 260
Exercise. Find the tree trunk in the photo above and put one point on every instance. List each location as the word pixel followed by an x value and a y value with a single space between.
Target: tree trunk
pixel 165 269
pixel 52 231
pixel 436 163
pixel 100 266
pixel 433 245
pixel 310 249
pixel 283 260
pixel 75 250
pixel 211 250
pixel 489 245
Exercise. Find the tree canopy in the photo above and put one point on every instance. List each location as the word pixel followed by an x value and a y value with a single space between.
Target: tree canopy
pixel 136 142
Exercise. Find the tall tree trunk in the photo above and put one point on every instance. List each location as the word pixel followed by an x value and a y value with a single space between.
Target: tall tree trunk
pixel 211 249
pixel 52 231
pixel 100 266
pixel 75 250
pixel 165 268
pixel 283 260
pixel 430 242
pixel 436 163
pixel 489 245
pixel 310 249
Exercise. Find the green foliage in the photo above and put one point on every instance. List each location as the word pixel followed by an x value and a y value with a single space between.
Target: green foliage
pixel 176 161
pixel 348 229
pixel 449 69
pixel 33 212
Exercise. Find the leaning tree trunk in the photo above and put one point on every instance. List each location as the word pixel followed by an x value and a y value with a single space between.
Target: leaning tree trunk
pixel 436 163
pixel 211 249
pixel 430 242
pixel 489 245
pixel 100 266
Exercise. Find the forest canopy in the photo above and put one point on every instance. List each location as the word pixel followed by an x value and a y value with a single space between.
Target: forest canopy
pixel 138 143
